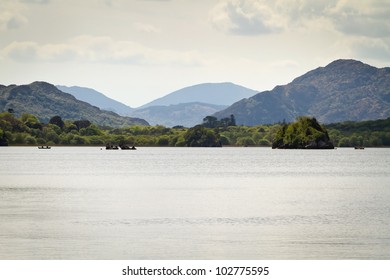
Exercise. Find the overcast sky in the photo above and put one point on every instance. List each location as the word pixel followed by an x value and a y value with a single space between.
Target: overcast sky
pixel 138 50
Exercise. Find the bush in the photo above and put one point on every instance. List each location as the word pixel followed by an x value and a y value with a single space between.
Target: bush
pixel 264 142
pixel 163 141
pixel 30 140
pixel 245 141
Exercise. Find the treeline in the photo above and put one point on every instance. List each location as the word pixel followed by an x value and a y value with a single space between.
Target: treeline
pixel 367 133
pixel 28 130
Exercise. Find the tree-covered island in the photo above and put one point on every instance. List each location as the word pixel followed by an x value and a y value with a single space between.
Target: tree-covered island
pixel 305 133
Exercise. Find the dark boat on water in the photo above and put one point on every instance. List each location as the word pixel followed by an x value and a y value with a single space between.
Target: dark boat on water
pixel 116 147
pixel 44 147
pixel 111 147
pixel 125 147
pixel 359 148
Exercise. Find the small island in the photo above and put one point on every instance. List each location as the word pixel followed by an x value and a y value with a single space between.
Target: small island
pixel 305 133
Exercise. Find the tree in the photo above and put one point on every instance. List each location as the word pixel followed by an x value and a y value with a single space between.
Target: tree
pixel 210 122
pixel 31 121
pixel 91 130
pixel 57 121
pixel 213 122
pixel 163 141
pixel 82 124
pixel 232 120
pixel 30 140
pixel 200 136
pixel 3 140
pixel 245 141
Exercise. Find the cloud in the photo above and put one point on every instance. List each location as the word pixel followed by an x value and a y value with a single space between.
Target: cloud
pixel 35 1
pixel 372 48
pixel 246 17
pixel 285 63
pixel 15 22
pixel 144 27
pixel 362 18
pixel 258 17
pixel 11 15
pixel 89 49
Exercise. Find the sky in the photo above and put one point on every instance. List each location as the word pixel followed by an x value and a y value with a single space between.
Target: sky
pixel 135 51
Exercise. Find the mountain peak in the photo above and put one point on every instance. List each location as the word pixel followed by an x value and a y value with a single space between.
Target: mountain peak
pixel 345 62
pixel 348 65
pixel 43 84
pixel 225 93
pixel 345 89
pixel 97 99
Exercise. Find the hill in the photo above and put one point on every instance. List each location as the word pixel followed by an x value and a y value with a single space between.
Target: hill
pixel 343 90
pixel 305 133
pixel 97 99
pixel 187 106
pixel 187 114
pixel 209 93
pixel 45 101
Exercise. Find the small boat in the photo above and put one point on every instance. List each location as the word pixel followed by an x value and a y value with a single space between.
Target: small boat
pixel 112 147
pixel 116 147
pixel 44 147
pixel 359 148
pixel 125 147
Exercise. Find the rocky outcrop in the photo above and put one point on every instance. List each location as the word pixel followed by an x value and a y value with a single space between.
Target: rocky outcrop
pixel 305 133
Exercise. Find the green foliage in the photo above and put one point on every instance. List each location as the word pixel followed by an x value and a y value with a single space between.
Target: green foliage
pixel 200 136
pixel 27 130
pixel 163 141
pixel 57 120
pixel 31 121
pixel 306 132
pixel 245 141
pixel 82 124
pixel 367 133
pixel 213 122
pixel 91 130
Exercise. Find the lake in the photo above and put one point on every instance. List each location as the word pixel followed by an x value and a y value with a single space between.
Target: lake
pixel 194 203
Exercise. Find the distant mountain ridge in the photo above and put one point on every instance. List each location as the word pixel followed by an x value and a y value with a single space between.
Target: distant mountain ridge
pixel 343 90
pixel 186 114
pixel 209 93
pixel 44 100
pixel 97 99
pixel 187 106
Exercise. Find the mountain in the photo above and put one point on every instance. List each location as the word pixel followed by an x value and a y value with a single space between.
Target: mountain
pixel 97 99
pixel 44 100
pixel 186 114
pixel 187 106
pixel 210 93
pixel 343 90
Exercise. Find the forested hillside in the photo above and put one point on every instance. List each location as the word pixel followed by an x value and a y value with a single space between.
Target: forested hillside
pixel 44 100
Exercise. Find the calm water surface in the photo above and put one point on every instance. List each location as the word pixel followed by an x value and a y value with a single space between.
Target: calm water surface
pixel 194 203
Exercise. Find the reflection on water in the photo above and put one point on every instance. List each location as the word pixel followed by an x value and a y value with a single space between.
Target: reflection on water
pixel 182 203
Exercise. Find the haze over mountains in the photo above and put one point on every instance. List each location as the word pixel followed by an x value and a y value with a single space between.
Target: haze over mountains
pixel 97 99
pixel 187 106
pixel 210 93
pixel 343 90
pixel 184 114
